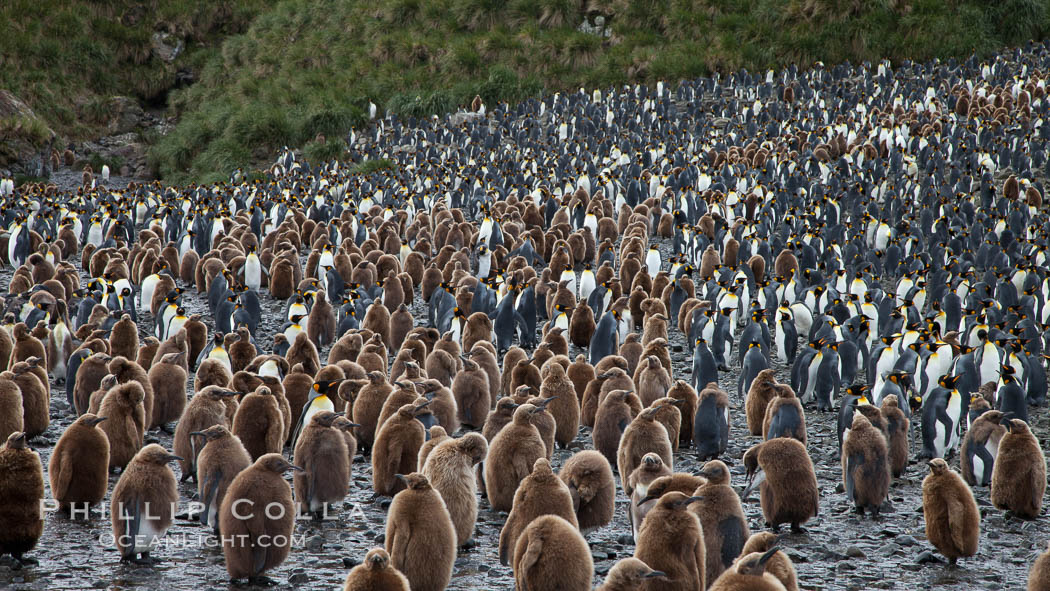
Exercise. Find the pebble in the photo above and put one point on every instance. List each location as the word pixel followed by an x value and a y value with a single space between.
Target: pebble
pixel 315 543
pixel 854 552
pixel 925 557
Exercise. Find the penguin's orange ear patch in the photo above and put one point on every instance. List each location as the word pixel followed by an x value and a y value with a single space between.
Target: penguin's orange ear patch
pixel 317 386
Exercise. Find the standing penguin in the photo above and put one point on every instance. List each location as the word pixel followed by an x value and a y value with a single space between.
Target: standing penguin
pixel 222 458
pixel 628 575
pixel 125 422
pixel 711 423
pixel 471 390
pixel 143 503
pixel 551 555
pixel 943 414
pixel 721 517
pixel 953 523
pixel 258 540
pixel 980 445
pixel 671 540
pixel 322 454
pixel 783 472
pixel 168 380
pixel 375 573
pixel 1019 475
pixel 79 465
pixel 450 470
pixel 22 488
pixel 779 565
pixel 644 435
pixel 259 423
pixel 396 448
pixel 590 480
pixel 865 466
pixel 419 535
pixel 565 406
pixel 897 434
pixel 512 454
pixel 540 493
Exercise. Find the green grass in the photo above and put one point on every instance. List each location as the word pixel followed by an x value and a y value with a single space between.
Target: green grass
pixel 285 72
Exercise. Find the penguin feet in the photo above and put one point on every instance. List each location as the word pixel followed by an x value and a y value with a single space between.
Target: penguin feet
pixel 261 581
pixel 21 561
pixel 144 560
pixel 798 529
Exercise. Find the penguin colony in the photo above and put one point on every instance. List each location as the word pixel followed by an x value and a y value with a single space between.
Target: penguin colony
pixel 867 240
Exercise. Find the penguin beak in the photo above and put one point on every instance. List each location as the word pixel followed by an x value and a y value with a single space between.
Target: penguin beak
pixel 756 480
pixel 174 458
pixel 768 554
pixel 543 404
pixel 401 477
pixel 296 468
pixel 656 574
pixel 97 420
pixel 422 405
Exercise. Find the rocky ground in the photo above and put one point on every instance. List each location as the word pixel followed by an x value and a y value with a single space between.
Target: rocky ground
pixel 839 551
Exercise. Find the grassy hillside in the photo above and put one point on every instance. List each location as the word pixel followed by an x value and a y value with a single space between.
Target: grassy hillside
pixel 65 58
pixel 284 72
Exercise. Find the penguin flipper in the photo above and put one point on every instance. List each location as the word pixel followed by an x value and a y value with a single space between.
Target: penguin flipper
pixel 981 451
pixel 211 491
pixel 132 523
pixel 853 462
pixel 949 425
pixel 732 539
pixel 623 425
pixel 956 522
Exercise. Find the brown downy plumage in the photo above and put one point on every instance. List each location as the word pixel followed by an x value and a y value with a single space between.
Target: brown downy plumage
pixel 953 523
pixel 897 430
pixel 581 325
pixel 788 484
pixel 1039 575
pixel 787 410
pixel 749 573
pixel 26 345
pixel 375 574
pixel 147 352
pixel 127 371
pixel 450 470
pixel 628 575
pixel 471 390
pixel 722 518
pixel 125 422
pixel 368 404
pixel 668 415
pixel 400 324
pixel 143 503
pixel 540 493
pixel 168 380
pixel 420 536
pixel 442 403
pixel 79 464
pixel 644 435
pixel 500 416
pixel 396 448
pixel 652 381
pixel 763 390
pixel 89 377
pixel 320 325
pixel 436 435
pixel 22 489
pixel 581 373
pixel 242 351
pixel 303 351
pixel 778 564
pixel 10 406
pixel 124 338
pixel 564 407
pixel 325 477
pixel 222 457
pixel 983 438
pixel 1019 474
pixel 551 549
pixel 206 409
pixel 525 374
pixel 377 319
pixel 263 485
pixel 670 540
pixel 589 477
pixel 512 453
pixel 35 400
pixel 298 387
pixel 649 469
pixel 259 423
pixel 681 390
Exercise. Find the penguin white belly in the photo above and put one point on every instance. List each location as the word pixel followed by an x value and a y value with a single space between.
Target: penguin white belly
pixel 320 404
pixel 149 533
pixel 457 330
pixel 781 341
pixel 252 273
pixel 652 262
pixel 989 368
pixel 291 332
pixel 562 321
pixel 271 369
pixel 811 383
pixel 586 285
pixel 94 235
pixel 484 264
pixel 11 244
pixel 954 412
pixel 149 285
pixel 222 357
